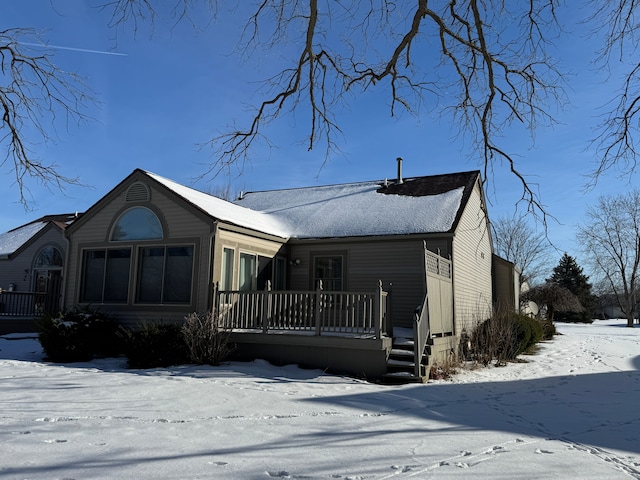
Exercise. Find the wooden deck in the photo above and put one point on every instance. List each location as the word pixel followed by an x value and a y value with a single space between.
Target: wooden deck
pixel 315 312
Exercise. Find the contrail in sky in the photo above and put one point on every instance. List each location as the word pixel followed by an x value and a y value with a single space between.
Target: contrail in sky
pixel 73 49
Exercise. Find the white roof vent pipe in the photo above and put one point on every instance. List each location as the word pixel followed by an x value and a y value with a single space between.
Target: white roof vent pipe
pixel 399 159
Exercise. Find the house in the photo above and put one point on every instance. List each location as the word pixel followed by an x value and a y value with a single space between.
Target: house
pixel 32 266
pixel 319 276
pixel 506 284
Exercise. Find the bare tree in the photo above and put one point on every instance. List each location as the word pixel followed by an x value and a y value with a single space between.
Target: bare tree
pixel 35 96
pixel 492 67
pixel 515 240
pixel 617 134
pixel 611 241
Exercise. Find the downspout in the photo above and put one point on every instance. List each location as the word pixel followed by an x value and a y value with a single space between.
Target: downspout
pixel 65 268
pixel 210 283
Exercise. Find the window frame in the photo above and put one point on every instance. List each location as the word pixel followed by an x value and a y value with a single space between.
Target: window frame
pixel 163 276
pixel 225 274
pixel 119 217
pixel 329 281
pixel 83 275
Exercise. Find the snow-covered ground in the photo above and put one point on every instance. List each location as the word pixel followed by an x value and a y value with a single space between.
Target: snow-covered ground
pixel 572 411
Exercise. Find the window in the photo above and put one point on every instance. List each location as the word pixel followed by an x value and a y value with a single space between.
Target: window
pixel 255 271
pixel 48 257
pixel 265 267
pixel 329 270
pixel 280 276
pixel 165 274
pixel 137 223
pixel 227 269
pixel 248 274
pixel 105 276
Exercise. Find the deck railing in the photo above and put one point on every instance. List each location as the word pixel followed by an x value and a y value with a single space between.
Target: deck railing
pixel 317 311
pixel 22 304
pixel 421 334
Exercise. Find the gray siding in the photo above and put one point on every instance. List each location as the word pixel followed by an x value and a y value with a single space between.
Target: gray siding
pixel 472 258
pixel 398 262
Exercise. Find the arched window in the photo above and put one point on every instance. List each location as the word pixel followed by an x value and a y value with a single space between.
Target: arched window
pixel 48 257
pixel 138 223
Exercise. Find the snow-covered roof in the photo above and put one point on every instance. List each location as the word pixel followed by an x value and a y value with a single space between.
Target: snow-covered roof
pixel 11 241
pixel 226 211
pixel 418 205
pixel 359 209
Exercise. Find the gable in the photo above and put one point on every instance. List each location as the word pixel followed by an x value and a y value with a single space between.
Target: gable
pixel 134 190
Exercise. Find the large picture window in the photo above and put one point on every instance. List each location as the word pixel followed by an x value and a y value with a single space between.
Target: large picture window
pixel 329 270
pixel 105 276
pixel 165 274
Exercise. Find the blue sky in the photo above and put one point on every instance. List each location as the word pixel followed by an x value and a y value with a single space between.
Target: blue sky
pixel 162 95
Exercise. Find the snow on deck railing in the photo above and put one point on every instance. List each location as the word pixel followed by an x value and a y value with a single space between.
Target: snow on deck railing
pixel 316 311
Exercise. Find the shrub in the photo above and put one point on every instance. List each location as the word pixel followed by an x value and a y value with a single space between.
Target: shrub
pixel 504 337
pixel 155 345
pixel 78 335
pixel 548 329
pixel 207 343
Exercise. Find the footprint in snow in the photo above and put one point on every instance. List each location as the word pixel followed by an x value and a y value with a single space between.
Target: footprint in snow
pixel 495 449
pixel 280 474
pixel 539 450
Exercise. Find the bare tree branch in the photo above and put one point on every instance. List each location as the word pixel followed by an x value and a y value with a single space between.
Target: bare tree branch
pixel 616 136
pixel 35 95
pixel 500 74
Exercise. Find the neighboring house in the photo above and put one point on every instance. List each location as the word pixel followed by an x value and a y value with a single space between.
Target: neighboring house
pixel 607 307
pixel 32 266
pixel 506 284
pixel 152 249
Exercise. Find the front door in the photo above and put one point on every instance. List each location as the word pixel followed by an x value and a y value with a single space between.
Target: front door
pixel 49 282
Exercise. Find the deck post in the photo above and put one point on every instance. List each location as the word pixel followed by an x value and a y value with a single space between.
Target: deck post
pixel 377 310
pixel 214 296
pixel 266 306
pixel 389 316
pixel 318 309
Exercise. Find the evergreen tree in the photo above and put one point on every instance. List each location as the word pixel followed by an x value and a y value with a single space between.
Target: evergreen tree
pixel 569 274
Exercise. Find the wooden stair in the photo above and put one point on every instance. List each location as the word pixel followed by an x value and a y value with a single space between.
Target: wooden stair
pixel 401 361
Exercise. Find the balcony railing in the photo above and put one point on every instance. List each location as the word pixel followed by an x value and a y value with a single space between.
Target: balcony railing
pixel 316 312
pixel 22 304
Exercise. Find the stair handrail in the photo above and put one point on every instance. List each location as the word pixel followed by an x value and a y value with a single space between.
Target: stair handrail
pixel 421 333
